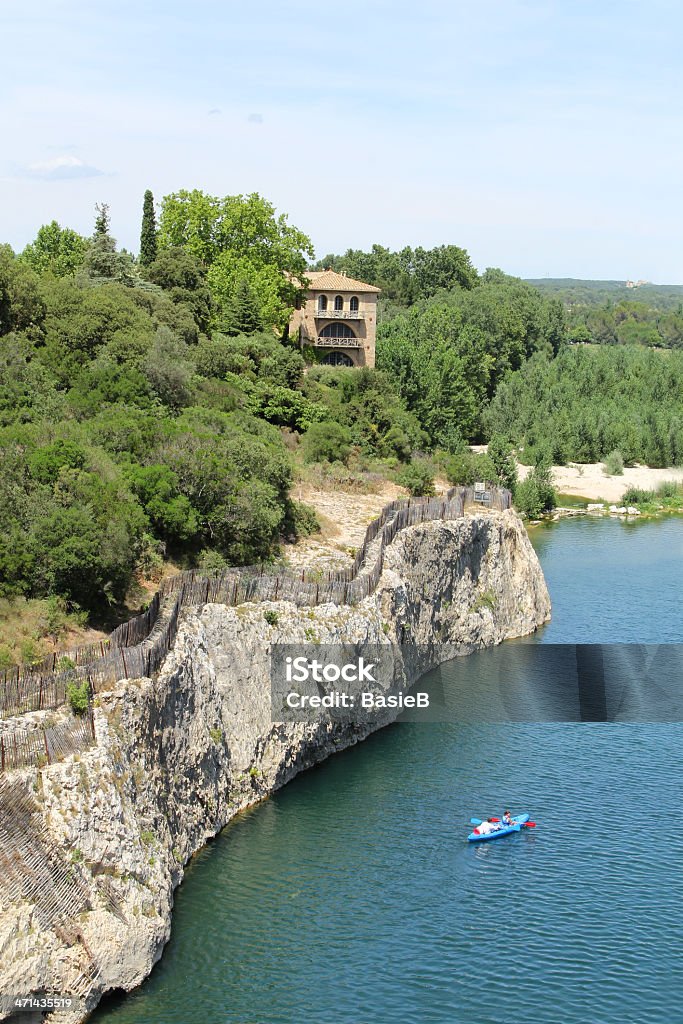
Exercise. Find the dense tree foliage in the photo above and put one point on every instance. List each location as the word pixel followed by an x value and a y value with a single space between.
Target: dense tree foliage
pixel 408 275
pixel 239 240
pixel 609 313
pixel 128 433
pixel 59 250
pixel 448 354
pixel 149 409
pixel 588 402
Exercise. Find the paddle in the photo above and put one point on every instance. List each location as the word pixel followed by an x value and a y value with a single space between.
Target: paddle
pixel 478 821
pixel 530 824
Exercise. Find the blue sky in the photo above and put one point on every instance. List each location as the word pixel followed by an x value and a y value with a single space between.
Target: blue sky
pixel 546 138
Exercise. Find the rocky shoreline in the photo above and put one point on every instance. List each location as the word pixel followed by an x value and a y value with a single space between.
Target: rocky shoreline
pixel 178 755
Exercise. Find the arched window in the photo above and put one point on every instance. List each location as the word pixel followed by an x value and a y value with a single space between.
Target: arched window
pixel 337 359
pixel 338 302
pixel 353 304
pixel 337 330
pixel 322 303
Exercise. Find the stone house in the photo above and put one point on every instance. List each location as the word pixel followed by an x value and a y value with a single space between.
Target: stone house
pixel 338 315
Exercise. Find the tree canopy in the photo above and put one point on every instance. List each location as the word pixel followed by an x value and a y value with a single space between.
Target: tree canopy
pixel 408 275
pixel 239 239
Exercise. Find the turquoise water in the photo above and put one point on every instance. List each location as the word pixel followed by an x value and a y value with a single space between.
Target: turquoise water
pixel 350 897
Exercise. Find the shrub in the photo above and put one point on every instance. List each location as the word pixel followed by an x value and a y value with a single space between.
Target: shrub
pixel 614 463
pixel 638 496
pixel 271 617
pixel 78 696
pixel 327 442
pixel 669 489
pixel 528 499
pixel 418 479
pixel 303 520
pixel 501 455
pixel 30 653
pixel 466 468
pixel 536 494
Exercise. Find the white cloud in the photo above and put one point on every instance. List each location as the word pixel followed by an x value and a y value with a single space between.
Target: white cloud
pixel 59 168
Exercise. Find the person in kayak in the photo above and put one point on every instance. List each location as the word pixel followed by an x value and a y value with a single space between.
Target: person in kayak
pixel 486 827
pixel 507 818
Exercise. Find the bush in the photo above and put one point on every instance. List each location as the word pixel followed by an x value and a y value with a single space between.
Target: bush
pixel 614 463
pixel 536 494
pixel 669 489
pixel 501 454
pixel 78 696
pixel 418 479
pixel 303 520
pixel 327 442
pixel 638 496
pixel 271 618
pixel 467 468
pixel 211 562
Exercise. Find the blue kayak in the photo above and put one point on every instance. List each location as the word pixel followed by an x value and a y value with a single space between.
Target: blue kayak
pixel 519 821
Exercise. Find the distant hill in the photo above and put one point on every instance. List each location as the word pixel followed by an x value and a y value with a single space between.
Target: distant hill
pixel 577 292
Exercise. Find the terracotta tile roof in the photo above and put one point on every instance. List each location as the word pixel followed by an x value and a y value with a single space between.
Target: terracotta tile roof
pixel 331 281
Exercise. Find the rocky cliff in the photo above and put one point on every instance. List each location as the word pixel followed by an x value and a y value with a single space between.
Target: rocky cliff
pixel 98 841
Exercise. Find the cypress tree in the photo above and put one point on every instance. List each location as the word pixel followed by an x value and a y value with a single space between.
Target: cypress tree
pixel 242 315
pixel 148 233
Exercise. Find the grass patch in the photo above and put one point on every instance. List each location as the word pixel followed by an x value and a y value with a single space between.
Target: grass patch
pixel 668 496
pixel 487 599
pixel 30 628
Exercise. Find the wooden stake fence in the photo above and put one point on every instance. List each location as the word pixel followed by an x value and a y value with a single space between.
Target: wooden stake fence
pixel 138 647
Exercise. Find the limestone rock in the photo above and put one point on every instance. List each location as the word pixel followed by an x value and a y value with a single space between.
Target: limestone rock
pixel 179 755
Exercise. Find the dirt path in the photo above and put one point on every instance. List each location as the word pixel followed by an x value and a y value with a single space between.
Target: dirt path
pixel 344 518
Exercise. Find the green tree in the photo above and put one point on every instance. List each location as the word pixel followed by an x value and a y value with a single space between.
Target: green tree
pixel 501 454
pixel 57 250
pixel 239 238
pixel 241 314
pixel 183 278
pixel 22 307
pixel 168 369
pixel 102 261
pixel 148 232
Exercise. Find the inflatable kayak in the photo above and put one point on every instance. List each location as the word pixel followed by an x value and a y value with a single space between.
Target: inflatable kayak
pixel 500 830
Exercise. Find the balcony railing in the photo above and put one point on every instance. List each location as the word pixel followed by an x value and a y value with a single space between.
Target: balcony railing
pixel 339 314
pixel 339 342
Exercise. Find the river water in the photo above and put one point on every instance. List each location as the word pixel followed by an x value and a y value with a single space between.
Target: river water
pixel 351 896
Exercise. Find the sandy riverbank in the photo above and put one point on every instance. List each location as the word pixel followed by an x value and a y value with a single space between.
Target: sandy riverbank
pixel 590 481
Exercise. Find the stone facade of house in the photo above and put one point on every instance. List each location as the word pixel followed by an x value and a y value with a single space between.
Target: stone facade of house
pixel 339 318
